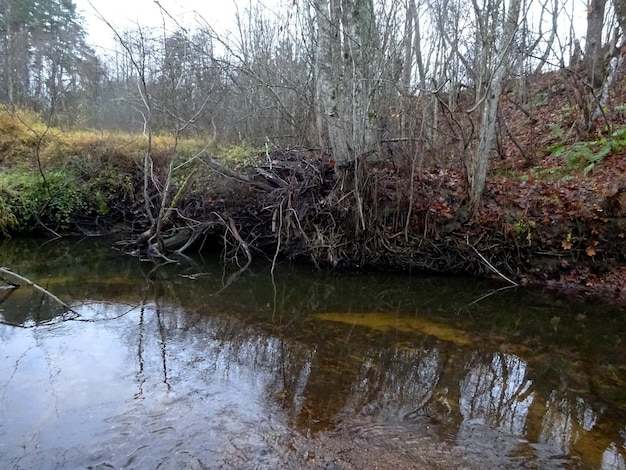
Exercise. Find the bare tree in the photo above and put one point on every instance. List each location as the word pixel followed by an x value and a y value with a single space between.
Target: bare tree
pixel 349 77
pixel 495 72
pixel 162 94
pixel 594 60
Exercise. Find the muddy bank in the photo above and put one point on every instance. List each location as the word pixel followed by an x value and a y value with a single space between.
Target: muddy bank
pixel 560 235
pixel 567 235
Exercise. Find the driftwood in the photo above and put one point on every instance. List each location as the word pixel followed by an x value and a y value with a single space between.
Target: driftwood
pixel 8 272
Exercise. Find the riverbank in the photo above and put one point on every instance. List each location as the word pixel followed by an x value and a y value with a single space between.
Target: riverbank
pixel 553 214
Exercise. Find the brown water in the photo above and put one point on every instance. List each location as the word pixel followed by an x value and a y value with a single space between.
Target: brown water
pixel 166 368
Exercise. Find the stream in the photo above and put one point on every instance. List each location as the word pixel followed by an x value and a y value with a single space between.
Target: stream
pixel 185 366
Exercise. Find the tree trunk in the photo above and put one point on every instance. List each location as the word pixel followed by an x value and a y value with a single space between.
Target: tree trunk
pixel 347 84
pixel 620 12
pixel 550 41
pixel 329 85
pixel 417 46
pixel 594 60
pixel 408 46
pixel 477 163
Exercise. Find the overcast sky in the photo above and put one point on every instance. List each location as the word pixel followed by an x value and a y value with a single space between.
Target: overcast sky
pixel 122 14
pixel 220 14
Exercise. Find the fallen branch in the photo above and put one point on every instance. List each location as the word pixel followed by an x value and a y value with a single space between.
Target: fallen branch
pixel 490 266
pixel 39 288
pixel 483 297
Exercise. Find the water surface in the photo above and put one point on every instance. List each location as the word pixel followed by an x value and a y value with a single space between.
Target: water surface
pixel 168 368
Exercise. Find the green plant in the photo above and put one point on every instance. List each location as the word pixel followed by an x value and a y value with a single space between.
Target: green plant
pixel 8 222
pixel 621 108
pixel 586 155
pixel 241 155
pixel 106 188
pixel 33 200
pixel 524 228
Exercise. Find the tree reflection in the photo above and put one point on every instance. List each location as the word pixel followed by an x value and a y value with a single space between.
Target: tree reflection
pixel 613 459
pixel 535 402
pixel 496 392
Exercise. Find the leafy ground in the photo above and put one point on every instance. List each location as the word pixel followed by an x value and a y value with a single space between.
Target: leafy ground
pixel 562 187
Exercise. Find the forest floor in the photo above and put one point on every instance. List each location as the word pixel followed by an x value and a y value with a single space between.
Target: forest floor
pixel 566 191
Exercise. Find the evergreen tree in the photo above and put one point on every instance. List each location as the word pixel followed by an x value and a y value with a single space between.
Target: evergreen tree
pixel 43 49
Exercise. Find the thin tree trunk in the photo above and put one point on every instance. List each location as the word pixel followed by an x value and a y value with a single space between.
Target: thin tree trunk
pixel 477 164
pixel 593 45
pixel 347 85
pixel 417 47
pixel 550 42
pixel 408 47
pixel 620 12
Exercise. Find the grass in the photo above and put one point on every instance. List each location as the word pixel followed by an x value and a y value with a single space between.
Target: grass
pixel 89 172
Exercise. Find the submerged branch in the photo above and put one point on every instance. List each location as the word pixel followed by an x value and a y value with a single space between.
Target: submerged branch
pixel 39 288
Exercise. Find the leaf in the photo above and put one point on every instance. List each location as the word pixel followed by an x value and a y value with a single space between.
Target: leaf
pixel 590 251
pixel 567 245
pixel 588 168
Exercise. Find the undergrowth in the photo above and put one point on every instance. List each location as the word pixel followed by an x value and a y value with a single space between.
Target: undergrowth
pixel 587 154
pixel 90 173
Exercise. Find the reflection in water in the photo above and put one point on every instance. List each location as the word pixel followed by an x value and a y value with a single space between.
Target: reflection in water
pixel 163 373
pixel 557 427
pixel 612 458
pixel 496 392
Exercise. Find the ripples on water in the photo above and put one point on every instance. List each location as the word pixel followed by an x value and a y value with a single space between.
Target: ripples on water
pixel 154 369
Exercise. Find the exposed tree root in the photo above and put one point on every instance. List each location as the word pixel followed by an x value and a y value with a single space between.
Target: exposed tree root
pixel 297 207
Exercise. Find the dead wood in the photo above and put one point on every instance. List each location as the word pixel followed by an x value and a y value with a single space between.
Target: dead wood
pixel 8 272
pixel 227 172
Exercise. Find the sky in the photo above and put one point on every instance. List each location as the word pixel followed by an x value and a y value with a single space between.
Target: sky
pixel 123 14
pixel 219 14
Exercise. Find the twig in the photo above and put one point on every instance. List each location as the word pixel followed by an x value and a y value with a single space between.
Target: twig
pixel 492 267
pixel 483 297
pixel 280 230
pixel 221 169
pixel 39 288
pixel 235 233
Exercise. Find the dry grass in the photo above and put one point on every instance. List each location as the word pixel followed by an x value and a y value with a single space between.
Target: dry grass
pixel 49 176
pixel 21 131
